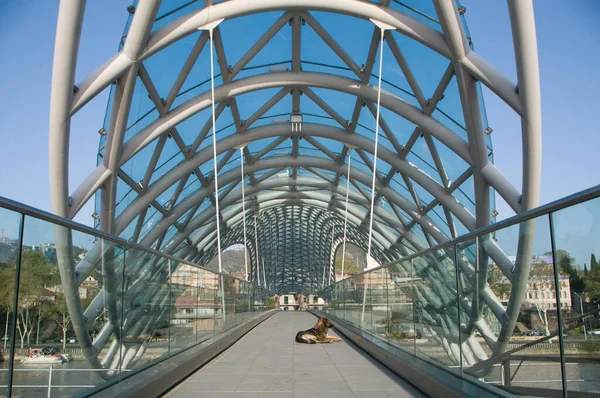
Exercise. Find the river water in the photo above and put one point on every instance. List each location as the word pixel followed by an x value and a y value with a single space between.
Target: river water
pixel 31 380
pixel 580 376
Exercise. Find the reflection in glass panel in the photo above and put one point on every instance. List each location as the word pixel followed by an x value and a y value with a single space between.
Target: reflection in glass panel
pixel 401 330
pixel 184 289
pixel 90 312
pixel 50 338
pixel 381 302
pixel 230 288
pixel 219 304
pixel 532 354
pixel 207 298
pixel 435 307
pixel 577 243
pixel 147 301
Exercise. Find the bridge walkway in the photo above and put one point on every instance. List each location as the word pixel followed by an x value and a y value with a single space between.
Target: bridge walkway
pixel 267 362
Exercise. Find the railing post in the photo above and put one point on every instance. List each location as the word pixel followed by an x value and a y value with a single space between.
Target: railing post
pixel 561 347
pixel 506 372
pixel 13 326
pixel 50 380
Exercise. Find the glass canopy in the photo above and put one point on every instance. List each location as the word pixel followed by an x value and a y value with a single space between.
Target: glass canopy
pixel 269 67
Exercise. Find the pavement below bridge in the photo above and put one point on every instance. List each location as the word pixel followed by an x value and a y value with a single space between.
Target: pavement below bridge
pixel 267 362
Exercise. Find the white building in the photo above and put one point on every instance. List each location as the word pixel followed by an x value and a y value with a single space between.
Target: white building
pixel 295 302
pixel 540 291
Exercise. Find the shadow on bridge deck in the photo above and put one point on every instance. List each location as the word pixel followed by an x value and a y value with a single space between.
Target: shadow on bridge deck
pixel 267 362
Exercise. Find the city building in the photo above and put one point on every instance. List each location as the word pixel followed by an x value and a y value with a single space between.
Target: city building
pixel 295 302
pixel 540 292
pixel 47 249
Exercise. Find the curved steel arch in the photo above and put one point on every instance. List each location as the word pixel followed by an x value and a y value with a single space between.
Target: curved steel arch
pixel 181 217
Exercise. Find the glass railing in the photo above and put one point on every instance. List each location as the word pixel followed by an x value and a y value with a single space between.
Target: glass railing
pixel 131 307
pixel 513 307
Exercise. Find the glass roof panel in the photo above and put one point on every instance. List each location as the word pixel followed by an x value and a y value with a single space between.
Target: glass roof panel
pixel 422 10
pixel 240 34
pixel 343 29
pixel 427 65
pixel 137 166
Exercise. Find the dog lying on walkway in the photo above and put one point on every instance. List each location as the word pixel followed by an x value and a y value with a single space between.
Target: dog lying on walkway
pixel 317 334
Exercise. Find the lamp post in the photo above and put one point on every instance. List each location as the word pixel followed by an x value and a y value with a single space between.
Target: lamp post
pixel 581 308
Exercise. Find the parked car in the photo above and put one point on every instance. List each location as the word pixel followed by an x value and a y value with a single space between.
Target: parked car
pixel 535 332
pixel 70 340
pixel 555 331
pixel 594 332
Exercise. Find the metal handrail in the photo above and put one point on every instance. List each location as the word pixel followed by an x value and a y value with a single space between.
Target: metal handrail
pixel 568 201
pixel 571 200
pixel 27 210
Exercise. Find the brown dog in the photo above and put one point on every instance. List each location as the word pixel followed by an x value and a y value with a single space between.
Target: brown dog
pixel 317 334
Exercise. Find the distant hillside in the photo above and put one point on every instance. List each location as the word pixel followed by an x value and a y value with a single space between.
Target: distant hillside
pixel 355 259
pixel 232 260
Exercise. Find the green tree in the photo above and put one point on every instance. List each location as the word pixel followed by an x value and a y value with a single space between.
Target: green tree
pixel 593 263
pixel 499 284
pixel 566 265
pixel 350 267
pixel 36 272
pixel 6 298
pixel 59 313
pixel 541 284
pixel 592 282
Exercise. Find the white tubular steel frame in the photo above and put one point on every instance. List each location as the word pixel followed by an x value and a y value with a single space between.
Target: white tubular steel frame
pixel 300 206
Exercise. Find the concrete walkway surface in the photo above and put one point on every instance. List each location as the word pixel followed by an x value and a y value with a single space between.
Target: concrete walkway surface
pixel 268 363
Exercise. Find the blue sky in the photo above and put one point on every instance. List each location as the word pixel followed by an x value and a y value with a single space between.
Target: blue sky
pixel 569 52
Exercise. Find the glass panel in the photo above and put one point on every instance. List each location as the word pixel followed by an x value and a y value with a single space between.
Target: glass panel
pixel 435 309
pixel 207 299
pixel 9 249
pixel 90 311
pixel 51 339
pixel 401 330
pixel 184 289
pixel 220 306
pixel 380 284
pixel 230 286
pixel 450 306
pixel 146 307
pixel 512 253
pixel 576 238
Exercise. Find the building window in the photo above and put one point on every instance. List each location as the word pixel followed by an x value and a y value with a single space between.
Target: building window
pixel 315 299
pixel 285 300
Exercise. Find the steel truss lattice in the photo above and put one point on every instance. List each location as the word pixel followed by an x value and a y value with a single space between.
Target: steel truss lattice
pixel 435 177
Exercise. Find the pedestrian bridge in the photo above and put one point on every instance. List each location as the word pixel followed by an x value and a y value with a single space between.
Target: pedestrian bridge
pixel 336 150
